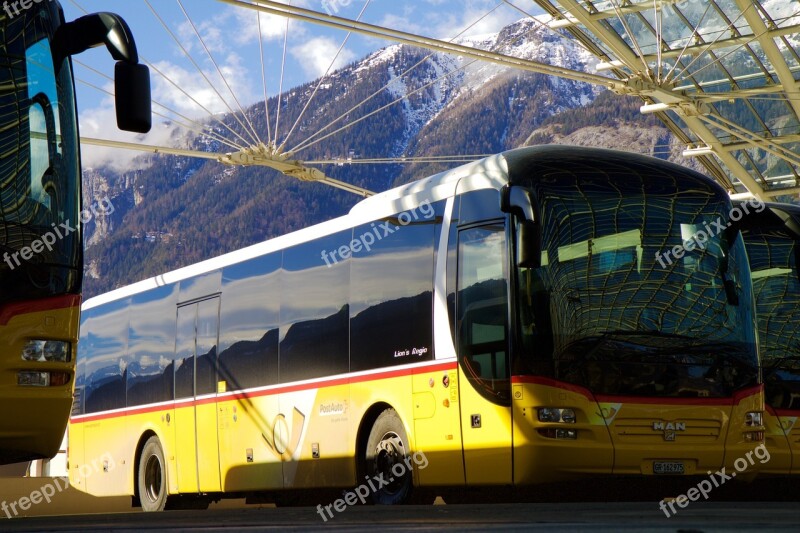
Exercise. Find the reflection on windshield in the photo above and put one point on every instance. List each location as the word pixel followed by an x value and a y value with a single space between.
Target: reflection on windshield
pixel 773 254
pixel 39 189
pixel 601 312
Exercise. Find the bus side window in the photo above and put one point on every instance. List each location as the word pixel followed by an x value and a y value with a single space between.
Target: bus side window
pixel 482 310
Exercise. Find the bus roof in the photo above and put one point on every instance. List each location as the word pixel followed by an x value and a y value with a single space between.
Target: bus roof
pixel 489 172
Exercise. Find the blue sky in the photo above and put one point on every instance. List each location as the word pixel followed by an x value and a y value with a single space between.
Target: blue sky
pixel 231 35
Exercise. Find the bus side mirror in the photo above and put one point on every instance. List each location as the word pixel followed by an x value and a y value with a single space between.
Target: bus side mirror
pixel 132 80
pixel 518 202
pixel 132 97
pixel 529 245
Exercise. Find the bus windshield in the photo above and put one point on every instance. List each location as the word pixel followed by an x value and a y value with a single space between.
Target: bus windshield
pixel 39 168
pixel 631 295
pixel 773 251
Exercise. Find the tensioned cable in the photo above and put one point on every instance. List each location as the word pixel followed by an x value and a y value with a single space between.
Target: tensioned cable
pixel 695 32
pixel 712 43
pixel 201 130
pixel 621 18
pixel 341 117
pixel 280 86
pixel 204 108
pixel 203 74
pixel 169 80
pixel 219 71
pixel 263 77
pixel 315 17
pixel 322 78
pixel 400 99
pixel 203 127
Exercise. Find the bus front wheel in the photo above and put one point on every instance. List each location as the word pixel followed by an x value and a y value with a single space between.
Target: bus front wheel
pixel 387 460
pixel 152 476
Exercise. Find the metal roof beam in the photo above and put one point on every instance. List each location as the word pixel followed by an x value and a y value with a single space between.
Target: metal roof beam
pixel 428 43
pixel 612 40
pixel 603 15
pixel 769 47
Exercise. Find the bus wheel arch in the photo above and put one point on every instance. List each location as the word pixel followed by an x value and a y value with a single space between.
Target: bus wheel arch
pixel 152 475
pixel 383 444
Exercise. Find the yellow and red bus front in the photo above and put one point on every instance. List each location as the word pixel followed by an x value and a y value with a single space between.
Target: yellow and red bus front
pixel 38 369
pixel 564 431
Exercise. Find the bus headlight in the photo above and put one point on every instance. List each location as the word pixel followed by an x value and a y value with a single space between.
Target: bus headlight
pixel 555 414
pixel 57 351
pixel 753 418
pixel 41 350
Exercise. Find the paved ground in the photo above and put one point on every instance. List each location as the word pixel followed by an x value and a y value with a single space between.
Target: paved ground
pixel 767 505
pixel 507 517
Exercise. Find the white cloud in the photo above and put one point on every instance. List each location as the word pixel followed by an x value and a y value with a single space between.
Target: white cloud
pixel 315 55
pixel 272 26
pixel 211 31
pixel 101 123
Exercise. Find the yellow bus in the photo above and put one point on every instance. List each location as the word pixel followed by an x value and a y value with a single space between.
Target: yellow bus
pixel 772 238
pixel 504 323
pixel 40 200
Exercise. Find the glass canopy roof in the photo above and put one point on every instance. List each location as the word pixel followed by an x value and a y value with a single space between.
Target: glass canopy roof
pixel 722 74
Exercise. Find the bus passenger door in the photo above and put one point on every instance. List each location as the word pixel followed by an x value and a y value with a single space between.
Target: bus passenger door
pixel 196 446
pixel 482 346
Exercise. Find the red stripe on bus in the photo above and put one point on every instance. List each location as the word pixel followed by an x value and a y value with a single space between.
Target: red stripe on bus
pixel 323 382
pixel 782 412
pixel 11 310
pixel 548 382
pixel 606 398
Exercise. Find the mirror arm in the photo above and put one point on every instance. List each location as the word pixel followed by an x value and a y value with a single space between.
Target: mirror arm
pixel 93 30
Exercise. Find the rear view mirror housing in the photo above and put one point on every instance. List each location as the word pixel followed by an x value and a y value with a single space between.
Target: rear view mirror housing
pixel 132 97
pixel 132 80
pixel 518 202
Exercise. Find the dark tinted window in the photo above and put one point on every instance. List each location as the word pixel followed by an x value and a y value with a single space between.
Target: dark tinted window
pixel 314 309
pixel 480 205
pixel 249 323
pixel 104 350
pixel 151 346
pixel 391 290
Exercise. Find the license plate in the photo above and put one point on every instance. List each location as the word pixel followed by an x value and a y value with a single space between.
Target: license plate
pixel 667 467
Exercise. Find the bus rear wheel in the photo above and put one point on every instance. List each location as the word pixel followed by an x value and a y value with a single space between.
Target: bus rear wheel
pixel 152 476
pixel 387 460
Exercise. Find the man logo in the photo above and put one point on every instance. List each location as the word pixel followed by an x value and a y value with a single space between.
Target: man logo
pixel 670 429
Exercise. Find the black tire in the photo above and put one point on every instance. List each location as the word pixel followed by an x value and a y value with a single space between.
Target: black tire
pixel 387 446
pixel 152 477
